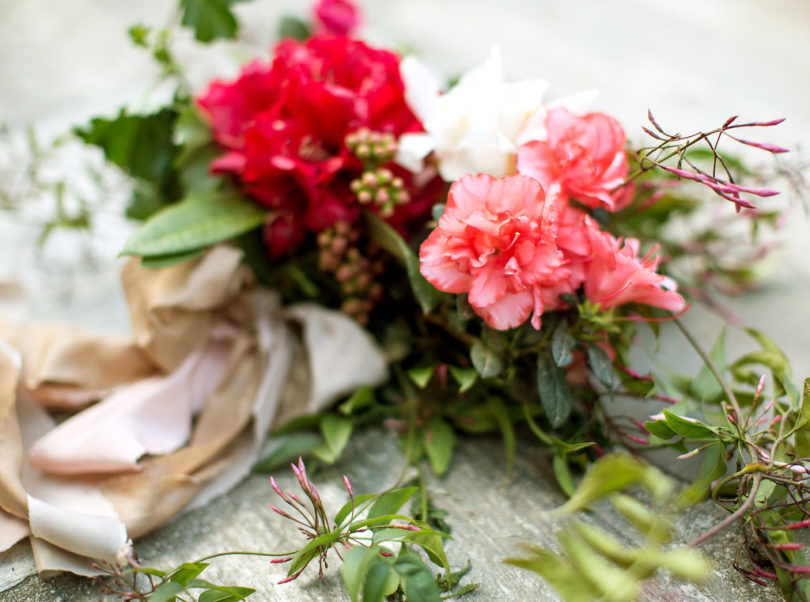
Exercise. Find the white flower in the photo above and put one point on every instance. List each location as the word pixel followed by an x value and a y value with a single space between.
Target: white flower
pixel 474 127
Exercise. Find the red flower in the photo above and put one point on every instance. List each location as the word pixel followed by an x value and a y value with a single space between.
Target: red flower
pixel 583 155
pixel 284 129
pixel 340 17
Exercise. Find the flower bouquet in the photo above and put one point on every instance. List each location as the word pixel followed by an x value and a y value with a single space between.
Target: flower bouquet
pixel 336 239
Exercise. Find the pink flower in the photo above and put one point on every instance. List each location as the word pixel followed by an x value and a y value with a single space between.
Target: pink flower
pixel 583 155
pixel 496 242
pixel 341 17
pixel 615 275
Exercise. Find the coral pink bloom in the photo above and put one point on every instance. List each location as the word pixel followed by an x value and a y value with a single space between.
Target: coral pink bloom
pixel 341 17
pixel 495 242
pixel 584 155
pixel 615 275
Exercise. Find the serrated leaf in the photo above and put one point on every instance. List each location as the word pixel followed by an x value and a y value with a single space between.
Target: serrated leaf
pixel 285 448
pixel 195 223
pixel 389 239
pixel 562 345
pixel 556 396
pixel 601 365
pixel 336 432
pixel 388 503
pixel 421 375
pixel 485 360
pixel 166 592
pixel 465 377
pixel 439 439
pixel 210 19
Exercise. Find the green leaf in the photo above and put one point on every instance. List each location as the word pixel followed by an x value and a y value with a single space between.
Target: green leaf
pixel 225 593
pixel 611 473
pixel 166 592
pixel 563 474
pixel 713 467
pixel 381 580
pixel 286 448
pixel 293 27
pixel 567 581
pixel 141 145
pixel 195 223
pixel 346 509
pixel 601 365
pixel 689 428
pixel 386 237
pixel 439 440
pixel 562 345
pixel 431 543
pixel 705 387
pixel 555 394
pixel 485 360
pixel 465 377
pixel 660 429
pixel 210 19
pixel 355 567
pixel 311 550
pixel 187 571
pixel 336 431
pixel 421 375
pixel 391 501
pixel 417 579
pixel 608 579
pixel 158 262
pixel 360 399
pixel 501 415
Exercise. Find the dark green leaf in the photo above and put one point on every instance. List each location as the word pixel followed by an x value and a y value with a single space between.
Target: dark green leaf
pixel 487 361
pixel 417 578
pixel 293 27
pixel 601 365
pixel 311 550
pixel 166 592
pixel 562 345
pixel 439 440
pixel 390 240
pixel 431 543
pixel 555 394
pixel 381 580
pixel 660 429
pixel 141 145
pixel 195 223
pixel 210 19
pixel 286 448
pixel 391 501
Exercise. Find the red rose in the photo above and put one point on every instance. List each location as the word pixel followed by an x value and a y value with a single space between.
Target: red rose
pixel 284 129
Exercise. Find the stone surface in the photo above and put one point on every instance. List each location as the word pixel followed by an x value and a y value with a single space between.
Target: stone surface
pixel 489 517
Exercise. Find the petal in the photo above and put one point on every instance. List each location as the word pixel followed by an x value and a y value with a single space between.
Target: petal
pixel 509 311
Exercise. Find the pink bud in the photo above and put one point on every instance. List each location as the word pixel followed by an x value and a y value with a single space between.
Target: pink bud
pixel 730 120
pixel 406 527
pixel 803 569
pixel 771 148
pixel 760 386
pixel 287 580
pixel 784 546
pixel 348 486
pixel 765 574
pixel 799 525
pixel 386 554
pixel 769 123
pixel 681 173
pixel 278 510
pixel 280 560
pixel 637 439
